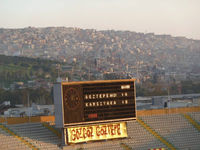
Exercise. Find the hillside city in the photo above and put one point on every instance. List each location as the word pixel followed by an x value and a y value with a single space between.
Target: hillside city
pixel 160 63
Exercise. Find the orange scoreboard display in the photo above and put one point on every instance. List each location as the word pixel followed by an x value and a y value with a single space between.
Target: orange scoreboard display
pixel 98 101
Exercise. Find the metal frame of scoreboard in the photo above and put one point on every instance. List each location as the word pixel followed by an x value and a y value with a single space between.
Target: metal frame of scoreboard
pixel 94 102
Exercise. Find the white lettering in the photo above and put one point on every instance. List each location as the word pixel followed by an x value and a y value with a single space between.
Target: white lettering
pixel 93 96
pixel 104 103
pixel 86 104
pixel 108 103
pixel 90 97
pixel 126 101
pixel 125 87
pixel 103 95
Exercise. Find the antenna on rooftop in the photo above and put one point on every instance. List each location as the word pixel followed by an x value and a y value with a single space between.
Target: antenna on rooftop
pixel 58 73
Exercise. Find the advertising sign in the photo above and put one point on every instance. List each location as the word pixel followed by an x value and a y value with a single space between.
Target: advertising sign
pixel 96 132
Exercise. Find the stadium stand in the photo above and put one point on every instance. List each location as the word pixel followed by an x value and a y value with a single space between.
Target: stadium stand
pixel 141 138
pixel 37 134
pixel 176 129
pixel 192 121
pixel 155 134
pixel 196 116
pixel 173 127
pixel 10 142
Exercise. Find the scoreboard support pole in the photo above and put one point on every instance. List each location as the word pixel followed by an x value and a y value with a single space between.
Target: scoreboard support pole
pixel 64 136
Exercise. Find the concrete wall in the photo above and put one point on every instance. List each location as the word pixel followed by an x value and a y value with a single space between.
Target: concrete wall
pixel 167 111
pixel 18 120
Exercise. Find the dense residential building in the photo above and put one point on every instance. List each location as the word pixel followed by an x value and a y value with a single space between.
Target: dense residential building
pixel 91 54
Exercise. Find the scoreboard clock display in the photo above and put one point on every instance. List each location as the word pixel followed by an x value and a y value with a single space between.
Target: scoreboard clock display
pixel 98 101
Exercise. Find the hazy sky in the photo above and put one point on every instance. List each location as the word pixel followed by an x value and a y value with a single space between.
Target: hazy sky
pixel 175 17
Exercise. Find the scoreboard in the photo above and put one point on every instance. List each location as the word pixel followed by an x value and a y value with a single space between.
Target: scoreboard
pixel 81 103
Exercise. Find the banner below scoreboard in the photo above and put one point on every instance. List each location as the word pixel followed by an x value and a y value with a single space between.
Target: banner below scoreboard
pixel 96 132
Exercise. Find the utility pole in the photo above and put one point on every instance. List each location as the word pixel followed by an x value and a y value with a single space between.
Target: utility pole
pixel 29 113
pixel 168 92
